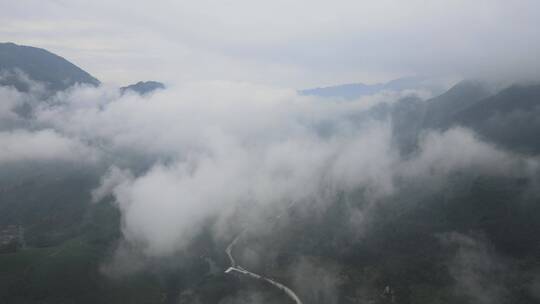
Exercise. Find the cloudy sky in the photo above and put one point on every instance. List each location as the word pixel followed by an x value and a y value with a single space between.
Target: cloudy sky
pixel 294 44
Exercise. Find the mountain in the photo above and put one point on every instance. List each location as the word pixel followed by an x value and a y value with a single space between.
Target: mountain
pixel 55 72
pixel 347 91
pixel 463 237
pixel 407 116
pixel 441 109
pixel 143 87
pixel 356 90
pixel 509 118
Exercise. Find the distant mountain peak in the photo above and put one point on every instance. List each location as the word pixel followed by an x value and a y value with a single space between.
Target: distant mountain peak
pixel 356 90
pixel 143 87
pixel 347 91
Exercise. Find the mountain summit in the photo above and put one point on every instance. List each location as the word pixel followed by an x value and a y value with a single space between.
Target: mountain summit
pixel 143 87
pixel 40 65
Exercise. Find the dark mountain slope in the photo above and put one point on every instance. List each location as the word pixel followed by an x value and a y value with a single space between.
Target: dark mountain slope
pixel 441 109
pixel 510 118
pixel 39 65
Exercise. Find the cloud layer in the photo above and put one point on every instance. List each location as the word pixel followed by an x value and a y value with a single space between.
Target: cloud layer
pixel 205 150
pixel 43 145
pixel 300 44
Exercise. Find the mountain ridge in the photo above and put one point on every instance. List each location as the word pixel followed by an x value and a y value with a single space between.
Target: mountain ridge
pixel 54 71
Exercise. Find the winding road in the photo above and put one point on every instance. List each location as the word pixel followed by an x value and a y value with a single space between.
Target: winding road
pixel 239 269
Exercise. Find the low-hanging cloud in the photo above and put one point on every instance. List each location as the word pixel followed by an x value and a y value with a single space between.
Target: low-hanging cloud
pixel 210 147
pixel 478 273
pixel 42 145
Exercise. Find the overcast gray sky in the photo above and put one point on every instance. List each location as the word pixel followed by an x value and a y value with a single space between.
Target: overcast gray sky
pixel 293 44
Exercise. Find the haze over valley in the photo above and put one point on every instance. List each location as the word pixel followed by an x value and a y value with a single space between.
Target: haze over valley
pixel 222 153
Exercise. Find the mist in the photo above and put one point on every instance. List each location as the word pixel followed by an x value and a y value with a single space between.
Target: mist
pixel 210 148
pixel 280 43
pixel 247 152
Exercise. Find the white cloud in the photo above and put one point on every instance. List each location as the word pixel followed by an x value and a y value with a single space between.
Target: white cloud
pixel 294 44
pixel 477 271
pixel 42 145
pixel 455 150
pixel 11 98
pixel 211 147
pixel 112 179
